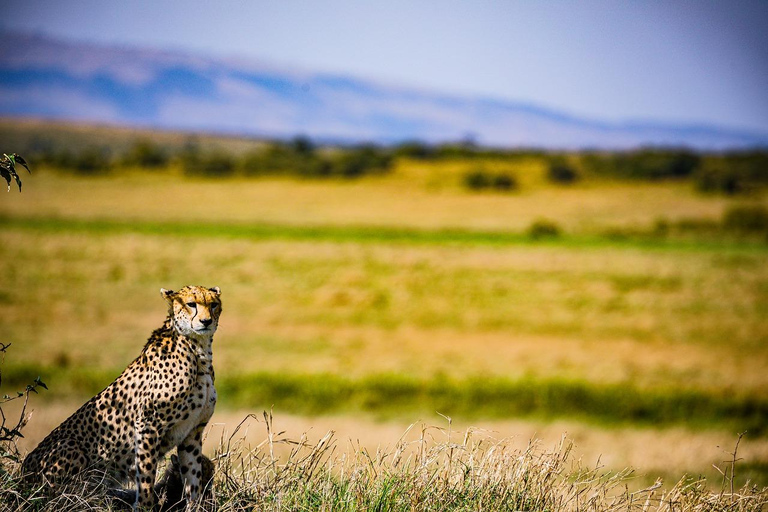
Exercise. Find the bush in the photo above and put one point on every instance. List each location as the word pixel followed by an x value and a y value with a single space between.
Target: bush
pixel 366 159
pixel 504 182
pixel 303 146
pixel 274 159
pixel 145 153
pixel 90 161
pixel 10 432
pixel 218 163
pixel 480 179
pixel 300 158
pixel 697 225
pixel 543 228
pixel 214 164
pixel 477 180
pixel 648 164
pixel 252 163
pixel 560 172
pixel 746 219
pixel 296 157
pixel 721 179
pixel 415 149
pixel 733 173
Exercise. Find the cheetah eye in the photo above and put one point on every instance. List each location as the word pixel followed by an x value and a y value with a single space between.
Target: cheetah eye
pixel 191 304
pixel 214 305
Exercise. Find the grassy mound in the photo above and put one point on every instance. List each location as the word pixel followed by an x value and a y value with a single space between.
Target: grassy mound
pixel 429 469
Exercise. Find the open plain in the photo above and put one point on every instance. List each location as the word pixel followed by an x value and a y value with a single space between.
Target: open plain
pixel 375 303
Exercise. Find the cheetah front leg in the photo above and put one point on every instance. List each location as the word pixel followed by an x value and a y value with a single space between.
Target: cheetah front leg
pixel 191 463
pixel 147 458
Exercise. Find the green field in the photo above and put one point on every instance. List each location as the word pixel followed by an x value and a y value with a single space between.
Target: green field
pixel 396 296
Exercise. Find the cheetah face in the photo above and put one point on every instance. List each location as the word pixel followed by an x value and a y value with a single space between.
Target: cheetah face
pixel 195 310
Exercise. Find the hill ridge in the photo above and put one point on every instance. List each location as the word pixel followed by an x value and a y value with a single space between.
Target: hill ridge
pixel 79 81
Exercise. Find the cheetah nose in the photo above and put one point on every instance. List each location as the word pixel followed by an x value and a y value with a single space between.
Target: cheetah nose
pixel 207 321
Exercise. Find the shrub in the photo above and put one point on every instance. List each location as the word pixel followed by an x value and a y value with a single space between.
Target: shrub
pixel 649 164
pixel 477 180
pixel 560 172
pixel 302 145
pixel 218 163
pixel 214 164
pixel 733 173
pixel 252 163
pixel 746 219
pixel 91 161
pixel 276 158
pixel 366 159
pixel 661 227
pixel 504 182
pixel 10 432
pixel 697 225
pixel 717 178
pixel 145 153
pixel 415 149
pixel 480 179
pixel 543 228
pixel 314 167
pixel 300 158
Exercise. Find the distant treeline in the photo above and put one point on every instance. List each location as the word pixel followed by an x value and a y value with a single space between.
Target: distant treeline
pixel 731 172
pixel 297 157
pixel 100 150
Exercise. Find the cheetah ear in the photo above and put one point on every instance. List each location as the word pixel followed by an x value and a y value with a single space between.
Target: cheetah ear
pixel 167 294
pixel 215 290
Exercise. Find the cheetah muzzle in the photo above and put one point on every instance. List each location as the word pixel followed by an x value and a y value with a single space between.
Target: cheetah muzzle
pixel 163 400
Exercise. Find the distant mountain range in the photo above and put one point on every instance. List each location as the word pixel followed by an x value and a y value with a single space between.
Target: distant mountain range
pixel 56 79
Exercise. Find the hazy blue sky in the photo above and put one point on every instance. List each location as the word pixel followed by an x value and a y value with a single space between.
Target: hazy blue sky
pixel 680 61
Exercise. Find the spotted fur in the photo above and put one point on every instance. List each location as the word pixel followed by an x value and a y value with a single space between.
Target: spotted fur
pixel 163 400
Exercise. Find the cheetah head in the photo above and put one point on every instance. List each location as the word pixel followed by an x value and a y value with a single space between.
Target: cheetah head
pixel 195 310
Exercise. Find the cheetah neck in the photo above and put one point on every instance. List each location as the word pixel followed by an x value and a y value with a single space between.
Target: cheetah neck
pixel 201 345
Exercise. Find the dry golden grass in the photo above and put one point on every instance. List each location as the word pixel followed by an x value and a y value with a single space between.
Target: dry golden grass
pixel 406 198
pixel 426 469
pixel 599 314
pixel 305 307
pixel 605 316
pixel 652 453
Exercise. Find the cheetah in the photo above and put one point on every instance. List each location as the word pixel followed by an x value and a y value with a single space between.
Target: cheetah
pixel 163 400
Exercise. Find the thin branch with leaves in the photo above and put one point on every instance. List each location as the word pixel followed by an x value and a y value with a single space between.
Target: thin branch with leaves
pixel 10 433
pixel 8 168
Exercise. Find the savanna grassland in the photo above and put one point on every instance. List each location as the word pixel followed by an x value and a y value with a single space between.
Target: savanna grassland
pixel 364 305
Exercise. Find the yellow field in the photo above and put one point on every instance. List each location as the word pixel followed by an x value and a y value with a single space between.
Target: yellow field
pixel 417 194
pixel 608 315
pixel 653 453
pixel 670 318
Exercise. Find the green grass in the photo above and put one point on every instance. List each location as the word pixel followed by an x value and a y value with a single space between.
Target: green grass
pixel 371 234
pixel 399 297
pixel 394 395
pixel 496 397
pixel 84 299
